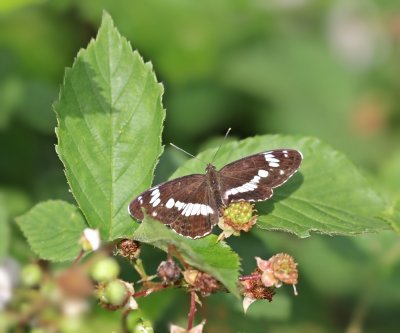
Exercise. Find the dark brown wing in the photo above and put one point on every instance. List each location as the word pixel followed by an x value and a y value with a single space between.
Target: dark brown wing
pixel 185 204
pixel 253 178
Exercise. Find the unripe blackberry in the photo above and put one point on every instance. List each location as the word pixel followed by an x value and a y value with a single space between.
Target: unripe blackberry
pixel 201 282
pixel 237 217
pixel 116 293
pixel 106 269
pixel 169 271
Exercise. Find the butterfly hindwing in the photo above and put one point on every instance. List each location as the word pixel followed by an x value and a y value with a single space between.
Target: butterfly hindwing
pixel 253 178
pixel 200 217
pixel 184 204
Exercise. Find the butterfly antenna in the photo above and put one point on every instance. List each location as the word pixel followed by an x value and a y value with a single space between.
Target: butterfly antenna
pixel 222 143
pixel 187 153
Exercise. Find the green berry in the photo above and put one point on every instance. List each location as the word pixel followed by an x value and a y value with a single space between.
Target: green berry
pixel 116 293
pixel 105 270
pixel 31 275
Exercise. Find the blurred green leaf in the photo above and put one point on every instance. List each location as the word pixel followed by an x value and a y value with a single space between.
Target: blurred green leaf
pixel 110 122
pixel 304 89
pixel 10 95
pixel 35 108
pixel 389 182
pixel 4 227
pixel 42 41
pixel 10 5
pixel 329 195
pixel 184 38
pixel 206 254
pixel 389 175
pixel 392 214
pixel 53 229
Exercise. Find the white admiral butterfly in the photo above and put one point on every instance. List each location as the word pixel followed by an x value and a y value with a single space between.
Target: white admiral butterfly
pixel 191 205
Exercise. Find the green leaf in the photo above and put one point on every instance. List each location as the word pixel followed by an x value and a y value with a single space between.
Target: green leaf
pixel 53 229
pixel 206 254
pixel 110 121
pixel 392 214
pixel 4 227
pixel 329 195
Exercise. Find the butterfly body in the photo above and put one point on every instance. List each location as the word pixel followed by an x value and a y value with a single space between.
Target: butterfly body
pixel 191 205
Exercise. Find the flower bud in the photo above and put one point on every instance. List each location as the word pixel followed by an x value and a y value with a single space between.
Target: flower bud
pixel 105 269
pixel 31 275
pixel 90 240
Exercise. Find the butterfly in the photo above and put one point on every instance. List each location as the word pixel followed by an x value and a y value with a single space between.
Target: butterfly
pixel 192 205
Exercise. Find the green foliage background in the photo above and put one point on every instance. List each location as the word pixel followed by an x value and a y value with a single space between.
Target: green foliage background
pixel 328 69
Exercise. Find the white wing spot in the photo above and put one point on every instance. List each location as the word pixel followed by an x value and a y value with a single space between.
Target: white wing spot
pixel 170 203
pixel 196 209
pixel 249 186
pixel 271 159
pixel 281 172
pixel 155 194
pixel 154 213
pixel 188 209
pixel 179 205
pixel 273 164
pixel 156 203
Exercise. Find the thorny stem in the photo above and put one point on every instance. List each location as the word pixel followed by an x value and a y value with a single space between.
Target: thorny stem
pixel 146 292
pixel 124 321
pixel 78 258
pixel 173 250
pixel 250 277
pixel 192 310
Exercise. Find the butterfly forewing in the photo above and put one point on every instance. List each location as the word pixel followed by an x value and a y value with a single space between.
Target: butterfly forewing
pixel 184 204
pixel 252 178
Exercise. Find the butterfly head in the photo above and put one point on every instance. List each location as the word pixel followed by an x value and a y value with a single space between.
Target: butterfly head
pixel 210 168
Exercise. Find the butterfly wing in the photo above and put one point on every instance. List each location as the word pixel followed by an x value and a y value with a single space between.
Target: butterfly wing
pixel 253 178
pixel 185 204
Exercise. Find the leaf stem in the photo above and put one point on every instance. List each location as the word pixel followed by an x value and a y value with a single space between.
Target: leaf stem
pixel 192 310
pixel 78 258
pixel 172 250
